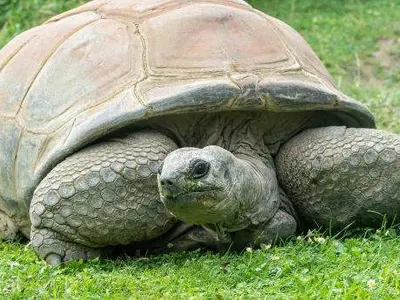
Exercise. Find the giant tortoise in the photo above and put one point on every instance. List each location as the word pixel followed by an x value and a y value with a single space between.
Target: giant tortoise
pixel 174 124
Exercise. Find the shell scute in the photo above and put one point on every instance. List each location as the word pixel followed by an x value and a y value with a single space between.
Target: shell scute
pixel 104 55
pixel 20 72
pixel 215 38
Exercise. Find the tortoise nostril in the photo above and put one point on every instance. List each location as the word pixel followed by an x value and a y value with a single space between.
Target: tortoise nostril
pixel 166 182
pixel 170 187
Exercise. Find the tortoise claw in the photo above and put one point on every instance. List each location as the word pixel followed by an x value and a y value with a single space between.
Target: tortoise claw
pixel 54 259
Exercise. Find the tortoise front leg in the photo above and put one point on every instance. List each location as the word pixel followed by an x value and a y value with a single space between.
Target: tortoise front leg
pixel 103 195
pixel 281 226
pixel 337 176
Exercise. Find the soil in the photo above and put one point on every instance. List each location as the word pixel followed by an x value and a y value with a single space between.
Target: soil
pixel 383 63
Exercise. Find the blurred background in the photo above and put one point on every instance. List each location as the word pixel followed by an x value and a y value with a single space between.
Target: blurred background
pixel 358 41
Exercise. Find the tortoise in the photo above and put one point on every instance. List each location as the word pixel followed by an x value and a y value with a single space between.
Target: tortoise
pixel 171 125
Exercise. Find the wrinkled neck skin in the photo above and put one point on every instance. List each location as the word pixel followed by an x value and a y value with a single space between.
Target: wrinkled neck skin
pixel 254 190
pixel 254 186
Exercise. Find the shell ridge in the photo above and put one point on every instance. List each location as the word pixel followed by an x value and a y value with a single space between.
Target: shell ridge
pixel 298 65
pixel 70 131
pixel 304 65
pixel 164 8
pixel 145 68
pixel 223 3
pixel 12 55
pixel 75 13
pixel 14 165
pixel 234 99
pixel 41 153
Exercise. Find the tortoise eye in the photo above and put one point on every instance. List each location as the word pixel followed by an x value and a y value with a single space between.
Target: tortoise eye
pixel 200 169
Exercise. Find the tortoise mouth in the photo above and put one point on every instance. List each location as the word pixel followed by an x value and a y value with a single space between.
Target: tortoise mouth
pixel 188 197
pixel 197 207
pixel 190 203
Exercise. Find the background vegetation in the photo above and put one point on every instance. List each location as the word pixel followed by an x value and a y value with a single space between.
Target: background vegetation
pixel 359 42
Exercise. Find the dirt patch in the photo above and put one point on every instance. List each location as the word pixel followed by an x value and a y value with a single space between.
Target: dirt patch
pixel 386 54
pixel 383 63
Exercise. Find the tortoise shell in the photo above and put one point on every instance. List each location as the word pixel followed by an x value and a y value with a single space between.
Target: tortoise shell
pixel 109 64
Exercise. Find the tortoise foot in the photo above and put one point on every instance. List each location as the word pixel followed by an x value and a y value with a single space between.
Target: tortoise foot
pixel 52 247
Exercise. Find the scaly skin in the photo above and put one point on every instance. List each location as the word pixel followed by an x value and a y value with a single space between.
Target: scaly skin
pixel 281 226
pixel 103 195
pixel 337 176
pixel 8 229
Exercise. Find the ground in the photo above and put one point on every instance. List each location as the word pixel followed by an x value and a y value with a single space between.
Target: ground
pixel 359 42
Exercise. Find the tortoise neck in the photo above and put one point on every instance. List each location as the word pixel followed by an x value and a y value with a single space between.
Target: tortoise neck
pixel 262 131
pixel 229 130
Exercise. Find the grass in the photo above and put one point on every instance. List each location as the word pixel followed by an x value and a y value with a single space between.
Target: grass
pixel 359 42
pixel 311 267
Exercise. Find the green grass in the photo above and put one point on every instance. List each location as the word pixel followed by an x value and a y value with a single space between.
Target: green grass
pixel 310 267
pixel 359 42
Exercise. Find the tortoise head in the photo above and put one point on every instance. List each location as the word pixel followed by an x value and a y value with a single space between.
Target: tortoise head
pixel 216 189
pixel 196 185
